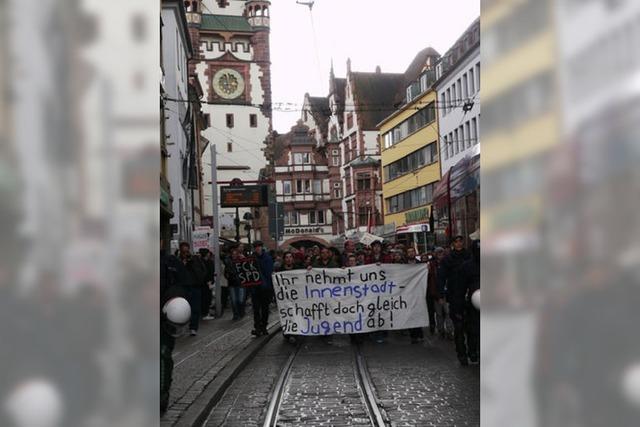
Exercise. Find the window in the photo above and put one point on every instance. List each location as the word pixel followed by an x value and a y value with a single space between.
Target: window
pixel 229 120
pixel 448 104
pixel 411 162
pixel 317 186
pixel 478 76
pixel 336 160
pixel 411 199
pixel 287 187
pixel 444 148
pixel 468 133
pixel 443 103
pixel 316 217
pixel 455 141
pixel 417 121
pixel 349 121
pixel 451 142
pixel 229 147
pixel 465 94
pixel 335 152
pixel 453 95
pixel 253 120
pixel 363 215
pixel 472 83
pixel 462 138
pixel 337 194
pixel 363 181
pixel 301 158
pixel 291 218
pixel 298 186
pixel 474 130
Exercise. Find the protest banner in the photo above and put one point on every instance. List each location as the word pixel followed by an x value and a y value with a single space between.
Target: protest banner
pixel 201 238
pixel 352 300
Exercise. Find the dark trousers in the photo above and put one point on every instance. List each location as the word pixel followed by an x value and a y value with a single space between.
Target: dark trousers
pixel 194 296
pixel 260 298
pixel 206 300
pixel 466 330
pixel 167 342
pixel 431 310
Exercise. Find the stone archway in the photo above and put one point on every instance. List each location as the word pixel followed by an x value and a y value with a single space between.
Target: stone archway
pixel 301 240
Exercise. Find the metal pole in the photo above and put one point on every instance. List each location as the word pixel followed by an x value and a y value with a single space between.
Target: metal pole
pixel 216 232
pixel 277 225
pixel 237 223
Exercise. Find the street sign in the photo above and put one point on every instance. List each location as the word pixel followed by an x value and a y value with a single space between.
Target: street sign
pixel 244 196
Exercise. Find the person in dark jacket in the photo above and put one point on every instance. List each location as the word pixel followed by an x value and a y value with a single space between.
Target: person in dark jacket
pixel 471 271
pixel 207 259
pixel 453 280
pixel 261 295
pixel 191 277
pixel 168 289
pixel 325 260
pixel 236 291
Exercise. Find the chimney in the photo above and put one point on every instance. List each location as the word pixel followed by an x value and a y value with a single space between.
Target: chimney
pixel 378 70
pixel 348 65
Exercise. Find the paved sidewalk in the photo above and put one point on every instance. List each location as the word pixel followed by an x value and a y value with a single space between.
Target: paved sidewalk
pixel 198 360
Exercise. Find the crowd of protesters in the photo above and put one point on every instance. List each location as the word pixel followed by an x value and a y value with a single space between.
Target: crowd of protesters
pixel 454 274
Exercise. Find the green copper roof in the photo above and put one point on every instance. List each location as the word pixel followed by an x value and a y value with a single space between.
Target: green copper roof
pixel 225 23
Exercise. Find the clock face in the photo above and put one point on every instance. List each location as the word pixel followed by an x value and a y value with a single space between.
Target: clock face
pixel 228 83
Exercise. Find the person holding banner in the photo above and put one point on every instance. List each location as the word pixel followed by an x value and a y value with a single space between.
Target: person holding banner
pixel 325 260
pixel 261 294
pixel 191 276
pixel 377 256
pixel 289 264
pixel 416 334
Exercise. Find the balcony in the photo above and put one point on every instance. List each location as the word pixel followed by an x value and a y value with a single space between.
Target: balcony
pixel 305 197
pixel 301 168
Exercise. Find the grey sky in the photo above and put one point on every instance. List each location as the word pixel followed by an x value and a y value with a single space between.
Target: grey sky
pixel 370 32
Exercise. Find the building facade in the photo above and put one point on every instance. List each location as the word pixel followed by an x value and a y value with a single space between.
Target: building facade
pixel 357 104
pixel 176 52
pixel 458 90
pixel 303 189
pixel 232 61
pixel 410 161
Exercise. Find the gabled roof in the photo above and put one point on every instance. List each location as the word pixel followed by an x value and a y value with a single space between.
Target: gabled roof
pixel 225 23
pixel 417 65
pixel 374 94
pixel 320 111
pixel 367 161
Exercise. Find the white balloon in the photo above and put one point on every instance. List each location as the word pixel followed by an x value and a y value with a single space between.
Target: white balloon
pixel 631 384
pixel 178 310
pixel 35 403
pixel 475 299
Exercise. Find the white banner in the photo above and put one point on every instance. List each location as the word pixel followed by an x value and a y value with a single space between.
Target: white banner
pixel 202 238
pixel 352 300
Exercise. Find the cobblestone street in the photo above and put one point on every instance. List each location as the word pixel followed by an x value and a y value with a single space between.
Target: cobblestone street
pixel 414 384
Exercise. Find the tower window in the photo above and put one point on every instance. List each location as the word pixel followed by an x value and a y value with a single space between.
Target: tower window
pixel 229 147
pixel 253 120
pixel 229 120
pixel 223 3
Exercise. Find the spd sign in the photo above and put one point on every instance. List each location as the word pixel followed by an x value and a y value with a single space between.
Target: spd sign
pixel 248 273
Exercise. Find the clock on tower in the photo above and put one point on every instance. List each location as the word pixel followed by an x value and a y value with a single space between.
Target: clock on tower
pixel 228 83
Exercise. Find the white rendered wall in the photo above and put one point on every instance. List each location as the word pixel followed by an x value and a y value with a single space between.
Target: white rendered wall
pixel 450 119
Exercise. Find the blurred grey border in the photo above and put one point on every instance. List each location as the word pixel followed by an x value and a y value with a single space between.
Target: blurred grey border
pixel 561 150
pixel 79 175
